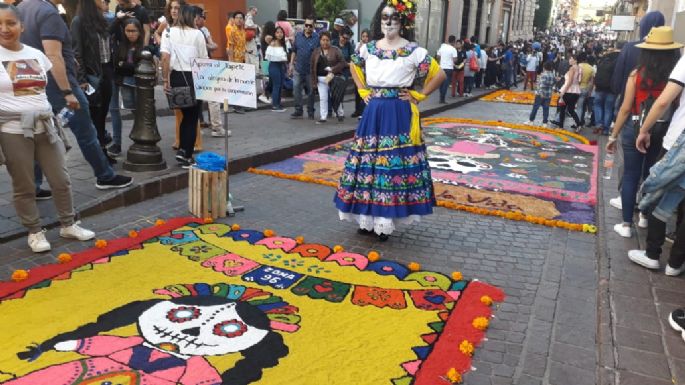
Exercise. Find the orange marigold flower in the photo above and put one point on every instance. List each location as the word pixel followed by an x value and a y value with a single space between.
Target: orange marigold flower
pixel 235 227
pixel 414 266
pixel 453 376
pixel 338 248
pixel 466 347
pixel 486 300
pixel 160 222
pixel 100 243
pixel 208 220
pixel 480 323
pixel 299 240
pixel 64 258
pixel 133 234
pixel 20 275
pixel 269 233
pixel 457 276
pixel 373 256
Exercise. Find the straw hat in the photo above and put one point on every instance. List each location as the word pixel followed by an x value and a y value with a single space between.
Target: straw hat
pixel 660 38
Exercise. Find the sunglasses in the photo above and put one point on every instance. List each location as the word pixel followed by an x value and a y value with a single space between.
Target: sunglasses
pixel 309 25
pixel 394 17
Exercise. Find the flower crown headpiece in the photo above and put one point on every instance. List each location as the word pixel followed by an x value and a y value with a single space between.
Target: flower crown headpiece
pixel 406 8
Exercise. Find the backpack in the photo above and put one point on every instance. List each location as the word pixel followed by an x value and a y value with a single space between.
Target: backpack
pixel 473 63
pixel 605 70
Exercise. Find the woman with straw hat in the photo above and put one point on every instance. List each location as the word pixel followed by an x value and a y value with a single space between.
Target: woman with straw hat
pixel 658 56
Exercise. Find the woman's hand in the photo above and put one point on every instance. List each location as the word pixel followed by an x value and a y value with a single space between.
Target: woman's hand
pixel 611 145
pixel 642 142
pixel 367 98
pixel 167 86
pixel 406 95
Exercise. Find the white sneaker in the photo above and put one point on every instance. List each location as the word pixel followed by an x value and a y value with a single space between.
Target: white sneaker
pixel 671 272
pixel 642 223
pixel 529 123
pixel 545 125
pixel 220 133
pixel 616 202
pixel 623 230
pixel 76 232
pixel 38 243
pixel 640 257
pixel 264 99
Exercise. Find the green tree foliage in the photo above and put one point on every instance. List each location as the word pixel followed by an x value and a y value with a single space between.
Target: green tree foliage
pixel 542 14
pixel 328 9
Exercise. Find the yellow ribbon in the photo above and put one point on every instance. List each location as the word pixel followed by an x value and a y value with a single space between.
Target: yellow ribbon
pixel 415 128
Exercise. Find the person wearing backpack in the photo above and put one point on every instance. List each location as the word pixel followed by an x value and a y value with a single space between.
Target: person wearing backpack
pixel 531 70
pixel 604 97
pixel 471 67
pixel 643 87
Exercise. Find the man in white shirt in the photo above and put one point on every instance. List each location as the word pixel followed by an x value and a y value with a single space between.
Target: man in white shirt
pixel 447 56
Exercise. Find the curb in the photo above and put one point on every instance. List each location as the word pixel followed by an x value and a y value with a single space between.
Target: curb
pixel 174 181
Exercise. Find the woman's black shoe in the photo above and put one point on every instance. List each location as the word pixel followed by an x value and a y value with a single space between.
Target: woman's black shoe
pixel 383 237
pixel 364 232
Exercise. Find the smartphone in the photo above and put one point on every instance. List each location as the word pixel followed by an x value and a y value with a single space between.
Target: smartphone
pixel 90 90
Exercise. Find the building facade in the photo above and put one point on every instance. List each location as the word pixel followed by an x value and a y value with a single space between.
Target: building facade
pixel 491 21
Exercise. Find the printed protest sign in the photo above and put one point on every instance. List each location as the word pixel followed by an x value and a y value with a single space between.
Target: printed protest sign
pixel 216 81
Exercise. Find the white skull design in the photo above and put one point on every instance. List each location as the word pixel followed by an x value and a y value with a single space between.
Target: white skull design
pixel 462 165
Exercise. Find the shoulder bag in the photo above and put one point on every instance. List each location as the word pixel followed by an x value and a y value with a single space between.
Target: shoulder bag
pixel 181 96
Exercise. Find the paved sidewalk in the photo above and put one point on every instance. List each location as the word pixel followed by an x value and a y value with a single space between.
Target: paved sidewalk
pixel 259 137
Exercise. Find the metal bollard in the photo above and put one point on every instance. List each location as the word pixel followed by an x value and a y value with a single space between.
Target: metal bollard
pixel 144 154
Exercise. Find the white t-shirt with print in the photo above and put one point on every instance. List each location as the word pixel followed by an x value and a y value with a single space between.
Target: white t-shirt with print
pixel 678 120
pixel 23 77
pixel 447 54
pixel 183 44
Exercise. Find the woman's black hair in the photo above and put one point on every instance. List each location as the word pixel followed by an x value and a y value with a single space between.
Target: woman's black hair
pixel 92 19
pixel 268 29
pixel 125 45
pixel 655 65
pixel 376 31
pixel 11 8
pixel 282 15
pixel 324 33
pixel 256 358
pixel 281 40
pixel 186 17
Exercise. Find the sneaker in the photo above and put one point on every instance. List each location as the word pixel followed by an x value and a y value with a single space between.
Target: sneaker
pixel 42 195
pixel 673 272
pixel 623 230
pixel 220 133
pixel 341 119
pixel 616 203
pixel 108 138
pixel 278 109
pixel 114 150
pixel 529 123
pixel 677 321
pixel 38 243
pixel 640 257
pixel 187 163
pixel 264 99
pixel 321 121
pixel 119 181
pixel 76 232
pixel 238 110
pixel 642 222
pixel 355 115
pixel 180 155
pixel 296 115
pixel 545 125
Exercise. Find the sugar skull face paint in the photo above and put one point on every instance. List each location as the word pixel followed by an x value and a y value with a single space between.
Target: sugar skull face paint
pixel 390 23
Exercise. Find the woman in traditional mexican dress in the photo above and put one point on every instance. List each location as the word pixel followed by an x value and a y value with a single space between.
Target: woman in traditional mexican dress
pixel 386 180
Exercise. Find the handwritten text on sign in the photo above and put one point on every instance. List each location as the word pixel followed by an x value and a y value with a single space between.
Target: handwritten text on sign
pixel 216 81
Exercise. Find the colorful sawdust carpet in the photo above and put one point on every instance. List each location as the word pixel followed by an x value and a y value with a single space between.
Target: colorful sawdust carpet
pixel 518 172
pixel 516 97
pixel 187 303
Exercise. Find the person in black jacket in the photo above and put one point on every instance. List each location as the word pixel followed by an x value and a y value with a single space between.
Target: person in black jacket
pixel 605 99
pixel 90 39
pixel 128 44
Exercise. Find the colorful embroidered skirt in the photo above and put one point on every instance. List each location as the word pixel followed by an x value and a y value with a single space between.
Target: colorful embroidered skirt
pixel 385 174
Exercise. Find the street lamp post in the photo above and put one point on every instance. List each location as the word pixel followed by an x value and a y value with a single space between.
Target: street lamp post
pixel 144 154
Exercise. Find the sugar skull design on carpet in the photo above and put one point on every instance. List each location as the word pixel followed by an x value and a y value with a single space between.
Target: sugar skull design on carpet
pixel 545 175
pixel 203 303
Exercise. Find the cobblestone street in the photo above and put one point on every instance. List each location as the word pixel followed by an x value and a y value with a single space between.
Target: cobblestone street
pixel 577 310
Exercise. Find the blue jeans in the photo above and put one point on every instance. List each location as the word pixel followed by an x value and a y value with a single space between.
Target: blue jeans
pixel 580 107
pixel 84 131
pixel 468 84
pixel 604 109
pixel 302 82
pixel 507 75
pixel 446 84
pixel 115 114
pixel 636 167
pixel 276 76
pixel 540 101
